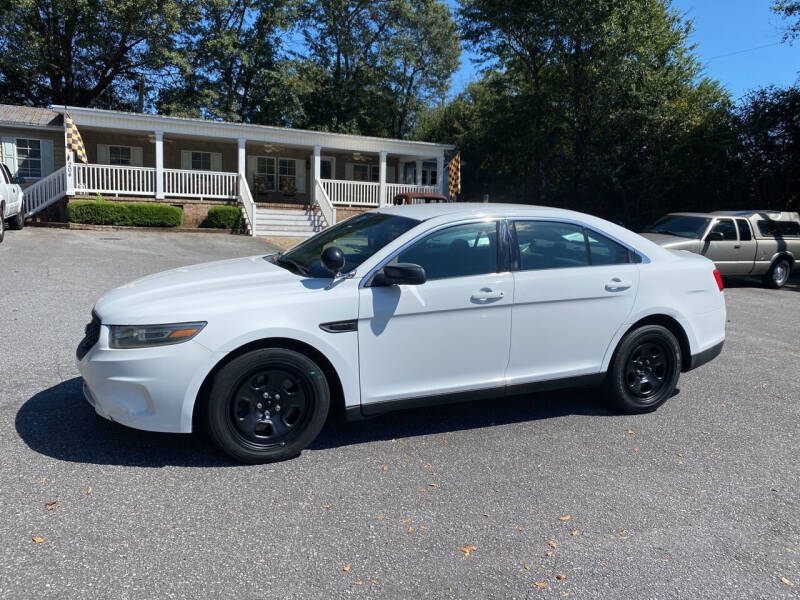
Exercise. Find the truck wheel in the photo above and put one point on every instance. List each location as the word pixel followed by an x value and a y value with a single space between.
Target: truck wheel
pixel 17 221
pixel 778 274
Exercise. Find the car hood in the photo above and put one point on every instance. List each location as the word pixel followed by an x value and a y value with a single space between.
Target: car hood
pixel 673 241
pixel 196 292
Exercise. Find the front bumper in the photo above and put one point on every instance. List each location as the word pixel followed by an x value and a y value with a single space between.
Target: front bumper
pixel 146 388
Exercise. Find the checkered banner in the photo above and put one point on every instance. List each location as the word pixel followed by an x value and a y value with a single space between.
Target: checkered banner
pixel 454 171
pixel 73 138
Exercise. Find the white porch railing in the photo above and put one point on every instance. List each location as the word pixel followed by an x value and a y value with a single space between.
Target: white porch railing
pixel 356 193
pixel 115 179
pixel 392 189
pixel 200 184
pixel 324 202
pixel 248 204
pixel 44 192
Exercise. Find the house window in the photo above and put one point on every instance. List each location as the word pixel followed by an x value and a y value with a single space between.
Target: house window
pixel 201 161
pixel 119 155
pixel 287 175
pixel 428 175
pixel 29 158
pixel 265 173
pixel 360 172
pixel 326 168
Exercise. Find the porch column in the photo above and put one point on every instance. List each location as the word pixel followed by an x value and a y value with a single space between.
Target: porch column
pixel 382 181
pixel 242 157
pixel 159 165
pixel 69 174
pixel 419 172
pixel 440 174
pixel 317 172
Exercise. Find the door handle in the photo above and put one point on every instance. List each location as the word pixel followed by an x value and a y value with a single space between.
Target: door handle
pixel 737 246
pixel 617 285
pixel 486 294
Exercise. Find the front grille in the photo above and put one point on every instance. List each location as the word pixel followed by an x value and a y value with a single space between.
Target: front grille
pixel 92 331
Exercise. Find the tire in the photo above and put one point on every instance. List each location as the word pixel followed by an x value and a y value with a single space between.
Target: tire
pixel 17 221
pixel 645 370
pixel 778 273
pixel 267 405
pixel 2 222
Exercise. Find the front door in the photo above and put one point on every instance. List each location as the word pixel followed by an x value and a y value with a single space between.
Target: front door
pixel 573 291
pixel 747 248
pixel 445 336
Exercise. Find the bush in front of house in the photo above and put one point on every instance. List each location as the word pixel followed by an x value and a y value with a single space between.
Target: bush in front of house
pixel 224 217
pixel 137 214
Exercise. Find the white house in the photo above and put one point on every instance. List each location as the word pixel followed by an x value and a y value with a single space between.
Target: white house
pixel 287 181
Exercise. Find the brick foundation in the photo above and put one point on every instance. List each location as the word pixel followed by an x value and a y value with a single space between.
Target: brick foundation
pixel 345 212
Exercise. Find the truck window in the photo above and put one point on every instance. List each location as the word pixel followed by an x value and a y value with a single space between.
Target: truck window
pixel 779 228
pixel 727 228
pixel 744 230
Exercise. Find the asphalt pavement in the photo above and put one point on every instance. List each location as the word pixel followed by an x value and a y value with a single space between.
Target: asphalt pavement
pixel 543 496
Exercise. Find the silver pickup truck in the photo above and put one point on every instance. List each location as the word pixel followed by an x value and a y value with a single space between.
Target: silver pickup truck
pixel 747 242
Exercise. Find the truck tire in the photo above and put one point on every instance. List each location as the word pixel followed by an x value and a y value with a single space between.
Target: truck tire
pixel 778 273
pixel 17 221
pixel 2 221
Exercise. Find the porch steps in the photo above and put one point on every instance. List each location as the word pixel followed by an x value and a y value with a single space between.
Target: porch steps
pixel 300 222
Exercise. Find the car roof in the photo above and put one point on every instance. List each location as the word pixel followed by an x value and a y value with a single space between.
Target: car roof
pixel 459 210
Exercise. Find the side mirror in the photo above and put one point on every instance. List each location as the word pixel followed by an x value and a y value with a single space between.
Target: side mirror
pixel 715 236
pixel 399 274
pixel 333 259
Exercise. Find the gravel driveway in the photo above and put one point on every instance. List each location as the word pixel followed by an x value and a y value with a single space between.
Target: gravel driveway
pixel 552 495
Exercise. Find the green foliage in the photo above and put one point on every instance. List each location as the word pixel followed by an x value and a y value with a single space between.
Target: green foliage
pixel 595 105
pixel 789 10
pixel 224 217
pixel 137 214
pixel 83 52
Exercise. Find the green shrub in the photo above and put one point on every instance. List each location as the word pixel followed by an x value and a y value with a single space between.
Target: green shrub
pixel 224 217
pixel 139 214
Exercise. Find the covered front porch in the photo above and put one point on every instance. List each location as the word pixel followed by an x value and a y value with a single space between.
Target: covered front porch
pixel 263 168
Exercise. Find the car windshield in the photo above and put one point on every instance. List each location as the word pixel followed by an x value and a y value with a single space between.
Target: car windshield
pixel 358 238
pixel 680 225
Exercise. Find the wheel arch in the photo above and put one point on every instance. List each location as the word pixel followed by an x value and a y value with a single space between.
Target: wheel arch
pixel 673 326
pixel 334 381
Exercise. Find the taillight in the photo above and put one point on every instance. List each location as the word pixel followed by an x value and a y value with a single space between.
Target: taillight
pixel 718 277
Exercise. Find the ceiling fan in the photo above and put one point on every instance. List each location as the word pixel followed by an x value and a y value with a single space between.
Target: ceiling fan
pixel 357 156
pixel 271 148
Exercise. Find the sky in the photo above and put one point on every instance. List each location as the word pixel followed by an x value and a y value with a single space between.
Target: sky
pixel 738 42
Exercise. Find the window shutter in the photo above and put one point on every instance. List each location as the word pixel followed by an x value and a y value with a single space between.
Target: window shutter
pixel 10 154
pixel 216 161
pixel 348 171
pixel 137 158
pixel 391 174
pixel 300 170
pixel 47 157
pixel 250 170
pixel 186 160
pixel 103 156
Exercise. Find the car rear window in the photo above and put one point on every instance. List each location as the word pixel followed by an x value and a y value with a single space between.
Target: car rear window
pixel 779 228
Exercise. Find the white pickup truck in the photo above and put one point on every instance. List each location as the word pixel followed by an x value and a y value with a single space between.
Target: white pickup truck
pixel 11 202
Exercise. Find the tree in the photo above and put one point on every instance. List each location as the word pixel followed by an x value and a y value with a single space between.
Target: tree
pixel 592 104
pixel 789 10
pixel 82 52
pixel 768 122
pixel 372 65
pixel 232 63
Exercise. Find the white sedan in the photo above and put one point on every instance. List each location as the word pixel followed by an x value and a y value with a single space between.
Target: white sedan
pixel 400 307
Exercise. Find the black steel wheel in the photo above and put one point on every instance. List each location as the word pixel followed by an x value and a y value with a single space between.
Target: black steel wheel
pixel 645 369
pixel 778 274
pixel 267 405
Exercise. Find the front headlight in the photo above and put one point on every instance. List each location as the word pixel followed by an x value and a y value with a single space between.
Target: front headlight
pixel 145 336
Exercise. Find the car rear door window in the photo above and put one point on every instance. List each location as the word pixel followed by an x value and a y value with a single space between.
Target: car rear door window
pixel 744 230
pixel 551 245
pixel 604 251
pixel 458 251
pixel 727 228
